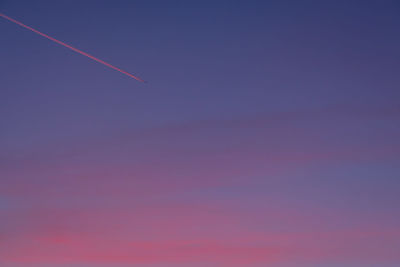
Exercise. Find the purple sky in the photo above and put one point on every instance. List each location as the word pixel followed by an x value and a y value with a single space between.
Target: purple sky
pixel 268 134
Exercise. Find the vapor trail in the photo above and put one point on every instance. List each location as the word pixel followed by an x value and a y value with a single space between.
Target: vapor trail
pixel 70 47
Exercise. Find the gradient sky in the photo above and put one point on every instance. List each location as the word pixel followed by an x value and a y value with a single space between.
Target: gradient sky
pixel 268 134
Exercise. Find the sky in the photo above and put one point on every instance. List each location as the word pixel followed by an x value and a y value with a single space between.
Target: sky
pixel 267 134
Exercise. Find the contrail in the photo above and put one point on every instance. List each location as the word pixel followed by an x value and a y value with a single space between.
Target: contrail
pixel 71 47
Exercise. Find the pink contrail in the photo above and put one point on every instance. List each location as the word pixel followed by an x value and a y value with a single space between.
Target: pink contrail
pixel 70 47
